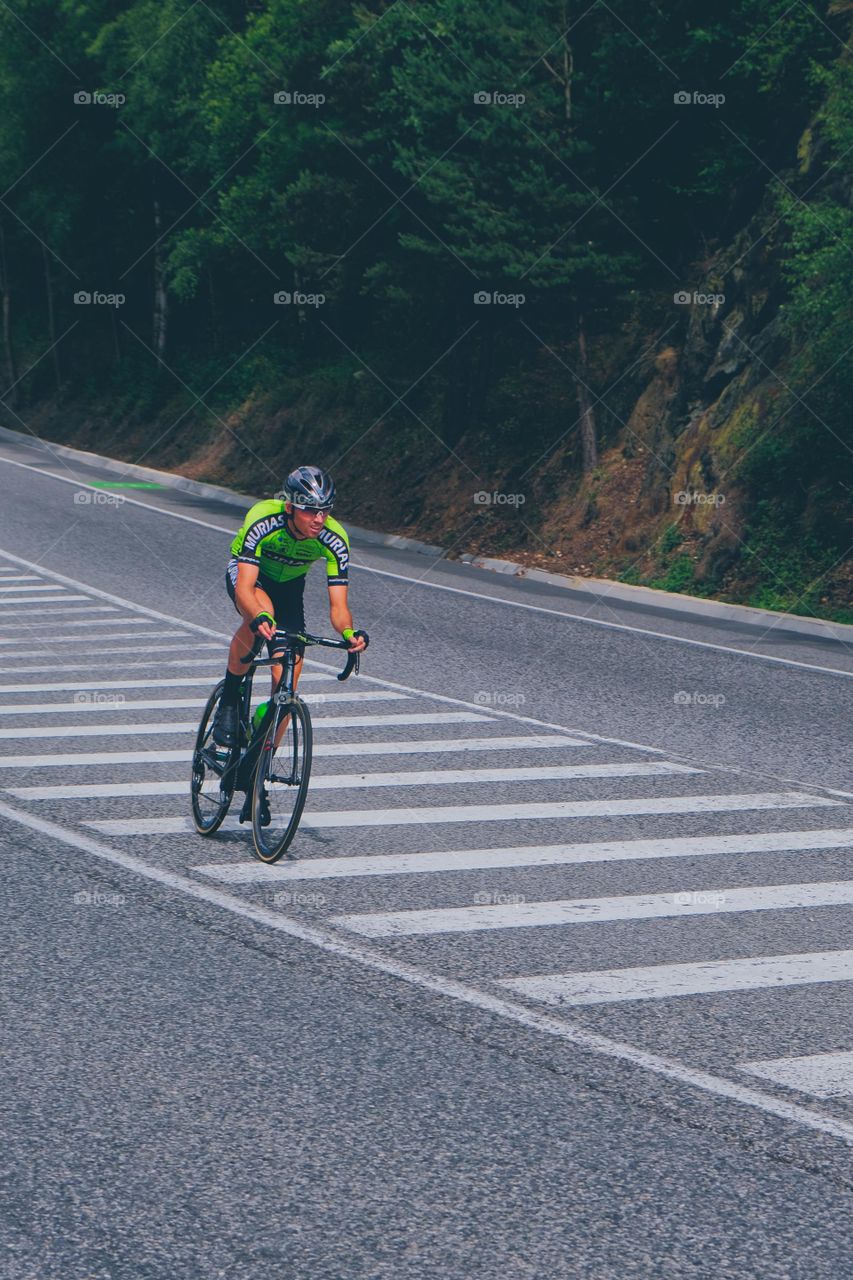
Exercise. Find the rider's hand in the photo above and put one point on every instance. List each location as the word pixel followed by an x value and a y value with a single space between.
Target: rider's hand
pixel 263 625
pixel 358 641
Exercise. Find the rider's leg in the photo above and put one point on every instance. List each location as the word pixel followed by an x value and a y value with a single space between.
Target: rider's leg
pixel 225 728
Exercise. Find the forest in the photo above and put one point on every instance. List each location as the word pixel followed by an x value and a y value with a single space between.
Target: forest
pixel 566 283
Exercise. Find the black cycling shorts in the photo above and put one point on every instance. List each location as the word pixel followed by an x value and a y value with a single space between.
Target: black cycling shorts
pixel 287 597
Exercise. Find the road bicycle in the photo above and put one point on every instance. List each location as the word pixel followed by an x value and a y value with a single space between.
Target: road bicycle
pixel 271 760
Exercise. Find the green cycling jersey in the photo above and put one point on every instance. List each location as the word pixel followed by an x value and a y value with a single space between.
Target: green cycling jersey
pixel 265 540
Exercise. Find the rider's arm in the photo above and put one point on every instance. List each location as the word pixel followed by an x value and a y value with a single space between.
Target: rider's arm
pixel 339 612
pixel 245 593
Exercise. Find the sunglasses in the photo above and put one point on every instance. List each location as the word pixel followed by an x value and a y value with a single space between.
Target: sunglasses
pixel 314 511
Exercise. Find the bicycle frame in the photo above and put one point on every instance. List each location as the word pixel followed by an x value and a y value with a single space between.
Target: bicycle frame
pixel 285 647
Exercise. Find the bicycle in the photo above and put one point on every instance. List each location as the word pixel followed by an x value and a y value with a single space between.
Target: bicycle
pixel 270 761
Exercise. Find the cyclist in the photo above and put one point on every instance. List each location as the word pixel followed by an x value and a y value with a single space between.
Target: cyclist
pixel 270 557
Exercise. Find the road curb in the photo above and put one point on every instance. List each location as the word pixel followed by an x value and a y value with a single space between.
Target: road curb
pixel 593 589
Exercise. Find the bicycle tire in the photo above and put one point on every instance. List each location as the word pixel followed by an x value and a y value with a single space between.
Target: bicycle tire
pixel 209 820
pixel 272 841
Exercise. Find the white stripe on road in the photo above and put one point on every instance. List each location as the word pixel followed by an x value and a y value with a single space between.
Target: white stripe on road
pixel 195 659
pixel 484 1001
pixel 354 781
pixel 48 733
pixel 42 600
pixel 401 864
pixel 59 615
pixel 169 682
pixel 492 813
pixel 129 705
pixel 640 906
pixel 109 702
pixel 59 643
pixel 25 577
pixel 431 746
pixel 412 747
pixel 823 1075
pixel 664 981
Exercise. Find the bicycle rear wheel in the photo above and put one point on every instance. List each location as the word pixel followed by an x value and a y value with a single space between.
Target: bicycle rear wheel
pixel 280 785
pixel 214 773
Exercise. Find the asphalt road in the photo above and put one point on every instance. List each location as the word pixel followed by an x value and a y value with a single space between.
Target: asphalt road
pixel 556 984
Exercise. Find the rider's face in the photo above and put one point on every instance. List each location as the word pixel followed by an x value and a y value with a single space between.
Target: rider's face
pixel 307 523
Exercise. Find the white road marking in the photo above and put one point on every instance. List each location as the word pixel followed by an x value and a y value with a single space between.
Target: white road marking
pixel 49 732
pixel 195 659
pixel 57 644
pixel 824 1075
pixel 500 1006
pixel 665 981
pixel 37 629
pixel 490 813
pixel 359 781
pixel 641 906
pixel 474 595
pixel 413 747
pixel 59 597
pixel 130 705
pixel 168 682
pixel 401 864
pixel 27 577
pixel 447 746
pixel 114 703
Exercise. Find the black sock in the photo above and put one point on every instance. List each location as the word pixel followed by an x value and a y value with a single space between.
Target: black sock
pixel 231 692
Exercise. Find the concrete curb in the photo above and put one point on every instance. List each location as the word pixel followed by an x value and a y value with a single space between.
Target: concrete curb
pixel 669 602
pixel 593 589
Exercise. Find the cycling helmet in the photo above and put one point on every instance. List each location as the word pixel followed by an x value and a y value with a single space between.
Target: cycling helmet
pixel 309 487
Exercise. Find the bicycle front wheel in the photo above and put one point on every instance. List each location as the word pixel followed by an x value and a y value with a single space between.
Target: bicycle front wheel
pixel 280 785
pixel 213 773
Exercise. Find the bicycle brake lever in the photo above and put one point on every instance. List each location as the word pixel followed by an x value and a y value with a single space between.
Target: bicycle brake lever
pixel 352 665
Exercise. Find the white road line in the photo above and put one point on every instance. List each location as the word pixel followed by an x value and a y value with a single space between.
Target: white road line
pixel 664 981
pixel 490 813
pixel 26 577
pixel 37 629
pixel 195 659
pixel 823 1075
pixel 337 749
pixel 168 682
pixel 447 746
pixel 59 643
pixel 119 704
pixel 78 758
pixel 360 781
pixel 28 590
pixel 402 864
pixel 441 746
pixel 61 598
pixel 461 591
pixel 641 906
pixel 129 705
pixel 487 1002
pixel 49 732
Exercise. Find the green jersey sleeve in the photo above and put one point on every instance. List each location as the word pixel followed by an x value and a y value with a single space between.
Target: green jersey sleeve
pixel 335 544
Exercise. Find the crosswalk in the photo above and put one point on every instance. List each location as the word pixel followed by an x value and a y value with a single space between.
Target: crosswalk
pixel 551 866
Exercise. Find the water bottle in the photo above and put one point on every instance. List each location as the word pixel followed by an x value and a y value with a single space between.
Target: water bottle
pixel 260 712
